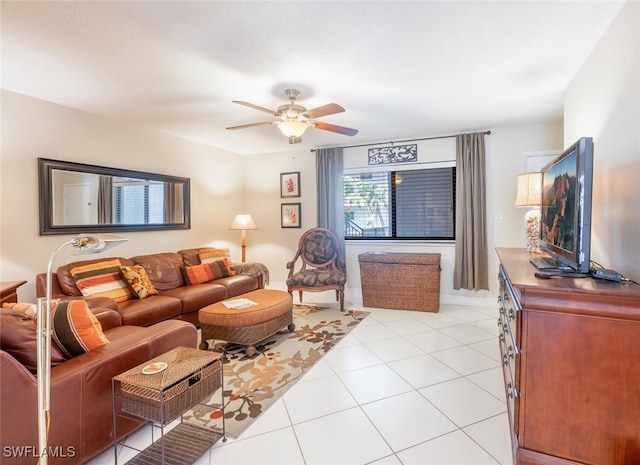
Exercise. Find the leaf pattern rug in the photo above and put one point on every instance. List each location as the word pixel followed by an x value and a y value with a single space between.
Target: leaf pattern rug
pixel 253 384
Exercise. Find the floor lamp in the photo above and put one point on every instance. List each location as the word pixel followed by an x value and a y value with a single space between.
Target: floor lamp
pixel 243 222
pixel 82 245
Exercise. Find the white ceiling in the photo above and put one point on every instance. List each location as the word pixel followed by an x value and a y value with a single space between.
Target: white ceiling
pixel 401 69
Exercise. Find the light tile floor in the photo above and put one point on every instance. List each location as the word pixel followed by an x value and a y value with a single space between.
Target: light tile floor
pixel 403 388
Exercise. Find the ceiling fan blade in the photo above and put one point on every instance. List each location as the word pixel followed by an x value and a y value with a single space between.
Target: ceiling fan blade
pixel 255 107
pixel 328 109
pixel 334 128
pixel 251 125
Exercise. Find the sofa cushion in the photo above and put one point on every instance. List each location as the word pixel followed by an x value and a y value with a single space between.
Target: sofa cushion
pixel 102 279
pixel 66 281
pixel 155 308
pixel 18 337
pixel 75 328
pixel 239 284
pixel 138 281
pixel 164 269
pixel 205 272
pixel 195 297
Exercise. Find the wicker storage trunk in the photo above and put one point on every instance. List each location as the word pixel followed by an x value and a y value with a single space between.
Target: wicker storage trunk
pixel 403 281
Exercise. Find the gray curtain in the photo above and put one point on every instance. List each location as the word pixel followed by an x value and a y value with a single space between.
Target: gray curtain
pixel 170 212
pixel 330 192
pixel 471 270
pixel 105 199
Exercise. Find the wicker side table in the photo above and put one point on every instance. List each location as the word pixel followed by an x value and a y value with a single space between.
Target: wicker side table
pixel 190 375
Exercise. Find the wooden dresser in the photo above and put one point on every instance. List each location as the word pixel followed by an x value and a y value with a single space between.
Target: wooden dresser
pixel 571 360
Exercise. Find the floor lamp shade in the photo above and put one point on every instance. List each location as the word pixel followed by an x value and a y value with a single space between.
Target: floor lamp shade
pixel 243 222
pixel 82 245
pixel 529 194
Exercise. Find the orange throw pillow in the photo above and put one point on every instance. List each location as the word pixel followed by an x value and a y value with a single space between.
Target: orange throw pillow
pixel 75 328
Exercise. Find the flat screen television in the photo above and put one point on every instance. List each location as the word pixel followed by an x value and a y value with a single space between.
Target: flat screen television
pixel 565 216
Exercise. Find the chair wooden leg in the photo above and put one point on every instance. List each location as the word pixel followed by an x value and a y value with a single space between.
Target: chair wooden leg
pixel 300 295
pixel 341 300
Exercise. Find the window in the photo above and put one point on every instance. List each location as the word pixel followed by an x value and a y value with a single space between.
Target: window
pixel 138 202
pixel 404 205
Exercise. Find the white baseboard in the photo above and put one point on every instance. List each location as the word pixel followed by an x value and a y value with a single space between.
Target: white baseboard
pixel 354 295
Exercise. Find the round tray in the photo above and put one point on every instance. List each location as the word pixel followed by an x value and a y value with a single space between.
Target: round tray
pixel 154 368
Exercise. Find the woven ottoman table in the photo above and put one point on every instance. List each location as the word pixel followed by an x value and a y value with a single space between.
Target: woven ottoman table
pixel 248 325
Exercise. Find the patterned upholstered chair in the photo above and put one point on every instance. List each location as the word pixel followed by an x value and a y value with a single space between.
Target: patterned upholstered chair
pixel 321 265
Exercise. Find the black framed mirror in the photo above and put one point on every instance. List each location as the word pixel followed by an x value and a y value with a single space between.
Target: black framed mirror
pixel 77 198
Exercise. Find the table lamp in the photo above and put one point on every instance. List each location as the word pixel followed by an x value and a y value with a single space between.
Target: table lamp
pixel 82 245
pixel 529 194
pixel 243 222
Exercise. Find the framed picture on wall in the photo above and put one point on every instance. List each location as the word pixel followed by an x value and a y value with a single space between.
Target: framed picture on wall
pixel 290 215
pixel 290 184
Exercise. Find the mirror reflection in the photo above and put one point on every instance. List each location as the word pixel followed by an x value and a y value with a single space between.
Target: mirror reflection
pixel 78 197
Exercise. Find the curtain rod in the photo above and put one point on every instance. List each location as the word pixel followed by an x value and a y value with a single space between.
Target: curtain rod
pixel 405 140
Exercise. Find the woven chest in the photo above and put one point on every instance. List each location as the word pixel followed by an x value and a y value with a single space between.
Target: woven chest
pixel 403 281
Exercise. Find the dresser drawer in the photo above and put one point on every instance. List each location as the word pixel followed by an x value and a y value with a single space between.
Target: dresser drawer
pixel 508 335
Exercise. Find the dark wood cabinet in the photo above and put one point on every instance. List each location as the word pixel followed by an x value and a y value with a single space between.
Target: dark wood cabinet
pixel 571 362
pixel 9 291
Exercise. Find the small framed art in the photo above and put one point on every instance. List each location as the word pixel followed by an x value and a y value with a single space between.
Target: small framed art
pixel 290 184
pixel 290 215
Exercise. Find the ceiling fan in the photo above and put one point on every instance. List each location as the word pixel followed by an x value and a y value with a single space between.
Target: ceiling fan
pixel 293 120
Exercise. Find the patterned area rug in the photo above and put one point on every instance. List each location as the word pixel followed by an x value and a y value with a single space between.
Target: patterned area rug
pixel 253 384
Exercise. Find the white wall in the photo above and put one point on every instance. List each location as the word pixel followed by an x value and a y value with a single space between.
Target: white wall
pixel 222 185
pixel 33 128
pixel 603 102
pixel 505 147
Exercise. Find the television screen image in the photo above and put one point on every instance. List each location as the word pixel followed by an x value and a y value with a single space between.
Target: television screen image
pixel 560 184
pixel 565 216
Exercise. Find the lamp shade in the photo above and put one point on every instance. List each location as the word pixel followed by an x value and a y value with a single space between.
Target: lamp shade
pixel 83 245
pixel 292 128
pixel 243 221
pixel 529 193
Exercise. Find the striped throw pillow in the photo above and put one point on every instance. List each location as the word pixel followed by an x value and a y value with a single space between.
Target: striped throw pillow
pixel 75 328
pixel 27 309
pixel 102 279
pixel 218 255
pixel 206 272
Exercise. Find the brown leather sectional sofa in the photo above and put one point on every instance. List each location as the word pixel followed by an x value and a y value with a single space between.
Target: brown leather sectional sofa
pixel 175 299
pixel 81 402
pixel 138 330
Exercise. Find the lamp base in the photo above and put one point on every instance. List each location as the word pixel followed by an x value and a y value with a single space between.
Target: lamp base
pixel 532 227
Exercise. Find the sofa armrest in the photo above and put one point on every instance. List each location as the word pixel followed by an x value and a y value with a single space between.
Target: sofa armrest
pixel 108 318
pixel 255 269
pixel 41 285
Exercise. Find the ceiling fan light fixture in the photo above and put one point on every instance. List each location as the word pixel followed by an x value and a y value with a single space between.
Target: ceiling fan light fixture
pixel 292 128
pixel 293 120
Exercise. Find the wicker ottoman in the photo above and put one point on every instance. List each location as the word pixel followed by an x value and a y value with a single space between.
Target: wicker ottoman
pixel 248 325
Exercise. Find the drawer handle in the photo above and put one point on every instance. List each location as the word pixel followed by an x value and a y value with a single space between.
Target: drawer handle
pixel 510 354
pixel 512 393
